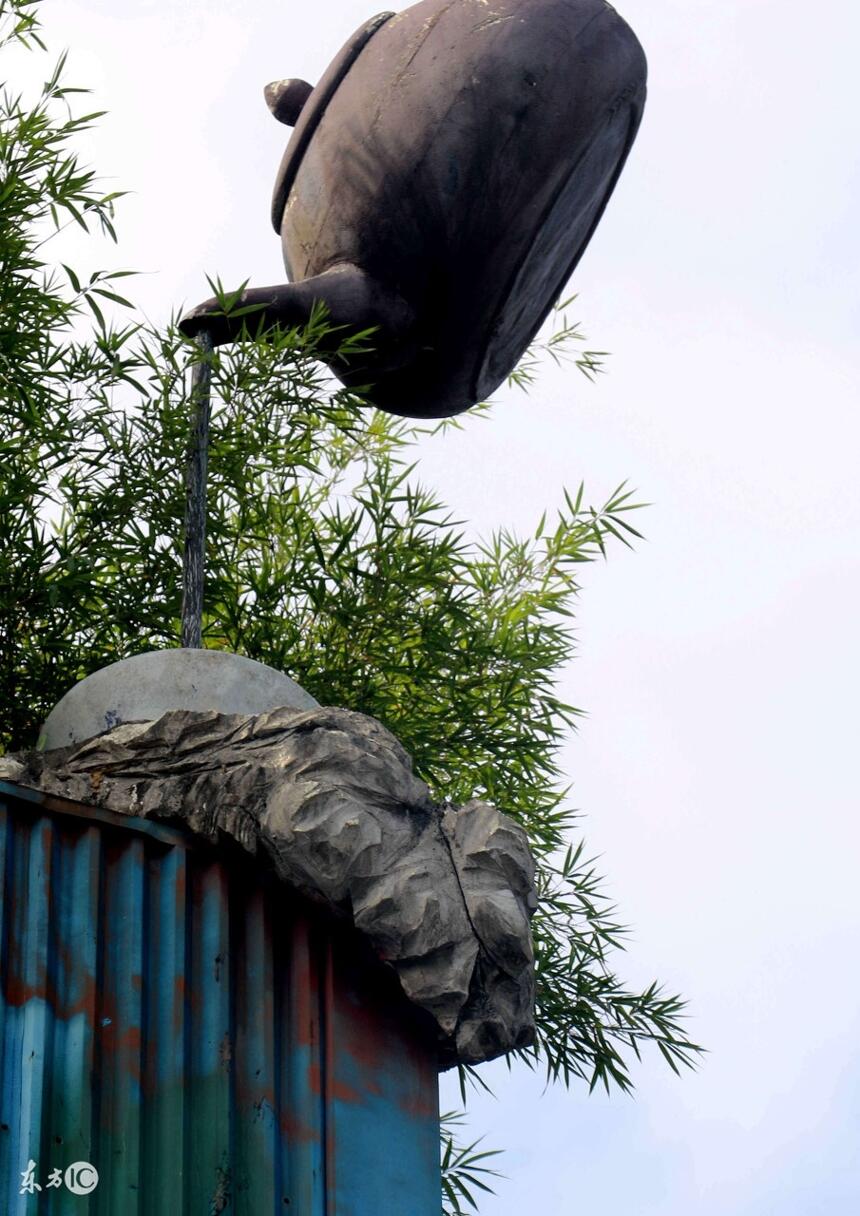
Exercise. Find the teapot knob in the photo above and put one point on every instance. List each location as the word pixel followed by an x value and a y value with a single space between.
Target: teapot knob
pixel 286 99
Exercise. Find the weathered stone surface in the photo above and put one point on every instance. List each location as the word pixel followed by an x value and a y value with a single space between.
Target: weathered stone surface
pixel 443 894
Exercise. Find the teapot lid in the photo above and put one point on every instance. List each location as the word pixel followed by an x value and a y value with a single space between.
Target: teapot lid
pixel 315 108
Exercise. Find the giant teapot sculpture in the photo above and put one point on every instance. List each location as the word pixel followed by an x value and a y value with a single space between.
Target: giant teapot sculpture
pixel 442 182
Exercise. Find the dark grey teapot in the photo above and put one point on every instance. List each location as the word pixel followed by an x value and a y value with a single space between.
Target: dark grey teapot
pixel 442 182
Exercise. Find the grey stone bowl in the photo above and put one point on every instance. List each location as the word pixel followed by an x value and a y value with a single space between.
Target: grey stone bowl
pixel 143 688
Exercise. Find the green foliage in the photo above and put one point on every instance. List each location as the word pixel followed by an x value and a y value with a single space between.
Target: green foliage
pixel 43 378
pixel 464 1171
pixel 561 347
pixel 327 558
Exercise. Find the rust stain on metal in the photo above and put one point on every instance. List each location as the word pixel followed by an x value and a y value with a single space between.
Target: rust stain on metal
pixel 417 1106
pixel 305 988
pixel 324 1084
pixel 17 991
pixel 296 1130
pixel 366 1039
pixel 180 990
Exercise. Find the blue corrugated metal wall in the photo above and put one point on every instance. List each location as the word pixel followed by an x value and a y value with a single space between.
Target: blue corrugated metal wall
pixel 206 1042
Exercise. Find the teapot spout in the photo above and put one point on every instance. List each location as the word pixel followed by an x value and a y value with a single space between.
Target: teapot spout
pixel 354 300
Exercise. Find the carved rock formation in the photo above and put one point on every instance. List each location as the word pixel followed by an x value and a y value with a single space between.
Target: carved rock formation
pixel 328 797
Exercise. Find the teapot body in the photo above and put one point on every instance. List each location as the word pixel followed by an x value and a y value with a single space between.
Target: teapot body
pixel 442 181
pixel 459 155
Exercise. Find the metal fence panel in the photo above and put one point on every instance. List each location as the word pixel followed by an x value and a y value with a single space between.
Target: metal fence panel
pixel 207 1042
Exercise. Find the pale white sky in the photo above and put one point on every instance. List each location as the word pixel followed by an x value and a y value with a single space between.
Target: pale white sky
pixel 719 663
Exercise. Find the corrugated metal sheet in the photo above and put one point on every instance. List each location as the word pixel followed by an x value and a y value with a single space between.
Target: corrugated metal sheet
pixel 206 1042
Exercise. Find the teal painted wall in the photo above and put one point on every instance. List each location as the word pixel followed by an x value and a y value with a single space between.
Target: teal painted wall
pixel 208 1043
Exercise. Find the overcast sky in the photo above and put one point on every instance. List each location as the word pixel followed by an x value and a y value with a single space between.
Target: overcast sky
pixel 719 662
